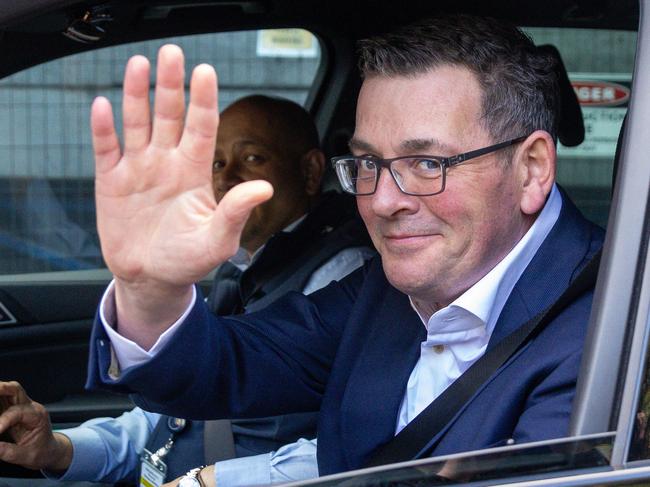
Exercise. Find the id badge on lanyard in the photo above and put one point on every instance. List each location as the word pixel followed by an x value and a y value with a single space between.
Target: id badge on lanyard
pixel 153 469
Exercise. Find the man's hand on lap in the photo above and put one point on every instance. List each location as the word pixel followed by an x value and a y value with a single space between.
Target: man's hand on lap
pixel 32 443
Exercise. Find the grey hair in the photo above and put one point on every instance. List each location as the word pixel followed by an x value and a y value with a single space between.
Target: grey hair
pixel 519 82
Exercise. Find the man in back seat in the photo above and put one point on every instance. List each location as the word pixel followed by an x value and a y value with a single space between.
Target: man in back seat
pixel 300 240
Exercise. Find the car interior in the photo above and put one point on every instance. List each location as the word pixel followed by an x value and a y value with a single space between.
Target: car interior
pixel 57 55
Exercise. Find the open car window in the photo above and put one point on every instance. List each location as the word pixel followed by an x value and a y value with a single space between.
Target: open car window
pixel 599 64
pixel 46 164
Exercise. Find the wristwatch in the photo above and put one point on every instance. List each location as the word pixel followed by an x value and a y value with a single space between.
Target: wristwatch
pixel 192 478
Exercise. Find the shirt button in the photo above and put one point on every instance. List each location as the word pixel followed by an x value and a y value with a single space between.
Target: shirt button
pixel 438 348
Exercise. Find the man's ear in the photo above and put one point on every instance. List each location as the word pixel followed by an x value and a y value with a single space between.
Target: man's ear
pixel 536 159
pixel 313 166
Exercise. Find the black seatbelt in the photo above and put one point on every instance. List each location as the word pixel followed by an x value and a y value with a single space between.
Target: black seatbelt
pixel 225 295
pixel 218 442
pixel 411 442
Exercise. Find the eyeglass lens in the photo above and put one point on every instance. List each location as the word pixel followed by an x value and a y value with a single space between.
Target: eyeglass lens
pixel 413 175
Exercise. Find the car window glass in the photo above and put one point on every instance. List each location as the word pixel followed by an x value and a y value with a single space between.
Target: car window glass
pixel 521 463
pixel 599 64
pixel 47 215
pixel 639 447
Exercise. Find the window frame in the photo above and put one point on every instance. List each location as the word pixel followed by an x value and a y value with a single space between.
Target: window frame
pixel 614 354
pixel 325 79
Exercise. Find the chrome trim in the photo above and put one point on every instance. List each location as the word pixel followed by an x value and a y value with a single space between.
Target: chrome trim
pixel 10 318
pixel 613 310
pixel 455 456
pixel 594 478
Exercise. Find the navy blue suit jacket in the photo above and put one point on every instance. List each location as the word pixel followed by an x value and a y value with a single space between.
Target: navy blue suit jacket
pixel 349 349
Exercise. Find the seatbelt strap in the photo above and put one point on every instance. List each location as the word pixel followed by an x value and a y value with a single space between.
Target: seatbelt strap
pixel 218 442
pixel 414 440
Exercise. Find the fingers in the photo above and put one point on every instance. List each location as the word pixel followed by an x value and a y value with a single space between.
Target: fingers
pixel 135 105
pixel 20 409
pixel 241 199
pixel 235 207
pixel 199 136
pixel 34 445
pixel 11 453
pixel 169 104
pixel 13 393
pixel 27 415
pixel 105 143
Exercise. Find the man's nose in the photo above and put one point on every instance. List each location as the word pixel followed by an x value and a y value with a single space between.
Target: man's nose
pixel 388 199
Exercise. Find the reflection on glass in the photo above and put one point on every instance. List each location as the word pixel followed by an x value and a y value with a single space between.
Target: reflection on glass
pixel 47 214
pixel 556 457
pixel 640 443
pixel 47 225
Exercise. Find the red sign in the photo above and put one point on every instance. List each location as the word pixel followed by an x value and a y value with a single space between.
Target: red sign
pixel 600 93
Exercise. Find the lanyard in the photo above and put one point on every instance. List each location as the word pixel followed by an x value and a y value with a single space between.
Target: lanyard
pixel 153 469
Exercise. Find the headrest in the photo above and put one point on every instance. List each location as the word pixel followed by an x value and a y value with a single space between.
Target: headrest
pixel 570 127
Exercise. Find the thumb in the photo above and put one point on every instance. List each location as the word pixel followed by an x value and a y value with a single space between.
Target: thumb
pixel 235 207
pixel 11 453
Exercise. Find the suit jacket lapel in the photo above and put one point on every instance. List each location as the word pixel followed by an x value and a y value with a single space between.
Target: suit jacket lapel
pixel 555 264
pixel 378 379
pixel 565 251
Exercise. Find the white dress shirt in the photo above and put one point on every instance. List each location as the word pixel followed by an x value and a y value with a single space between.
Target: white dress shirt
pixel 458 334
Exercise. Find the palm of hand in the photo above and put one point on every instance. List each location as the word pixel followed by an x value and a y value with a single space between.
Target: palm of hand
pixel 150 217
pixel 156 213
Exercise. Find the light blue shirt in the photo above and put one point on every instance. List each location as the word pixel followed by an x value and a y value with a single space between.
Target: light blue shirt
pixel 108 449
pixel 296 461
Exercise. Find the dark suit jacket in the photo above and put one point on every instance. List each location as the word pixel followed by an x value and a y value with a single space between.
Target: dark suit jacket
pixel 349 351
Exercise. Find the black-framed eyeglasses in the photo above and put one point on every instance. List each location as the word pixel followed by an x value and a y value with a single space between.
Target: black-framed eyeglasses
pixel 414 175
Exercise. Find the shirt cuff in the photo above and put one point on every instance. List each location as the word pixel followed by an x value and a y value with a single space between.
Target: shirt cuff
pixel 127 352
pixel 254 470
pixel 88 458
pixel 295 461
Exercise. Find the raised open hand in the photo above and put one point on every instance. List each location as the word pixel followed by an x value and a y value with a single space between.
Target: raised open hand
pixel 159 225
